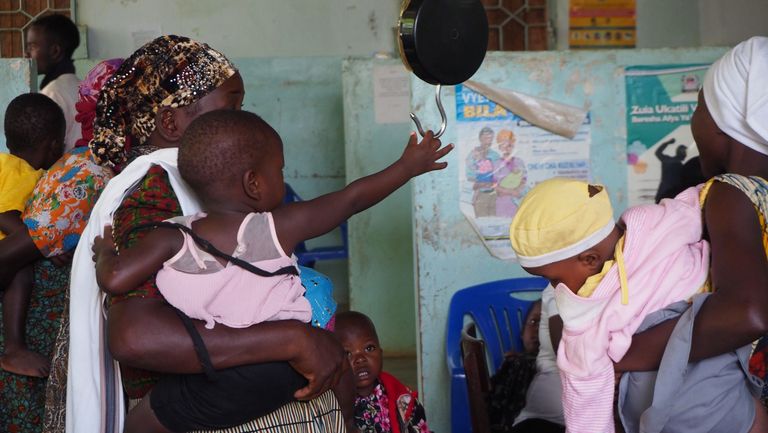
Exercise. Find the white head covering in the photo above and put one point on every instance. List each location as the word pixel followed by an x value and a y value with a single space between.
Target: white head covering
pixel 736 91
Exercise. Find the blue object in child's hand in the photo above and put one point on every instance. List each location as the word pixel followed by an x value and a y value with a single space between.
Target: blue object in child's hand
pixel 319 294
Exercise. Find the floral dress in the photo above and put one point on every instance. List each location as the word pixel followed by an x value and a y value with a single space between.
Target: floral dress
pixel 390 408
pixel 55 216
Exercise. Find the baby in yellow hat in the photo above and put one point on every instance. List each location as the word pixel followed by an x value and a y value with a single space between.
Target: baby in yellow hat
pixel 564 231
pixel 607 276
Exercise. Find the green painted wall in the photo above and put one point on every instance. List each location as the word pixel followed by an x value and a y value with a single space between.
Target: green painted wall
pixel 301 98
pixel 245 28
pixel 381 242
pixel 17 77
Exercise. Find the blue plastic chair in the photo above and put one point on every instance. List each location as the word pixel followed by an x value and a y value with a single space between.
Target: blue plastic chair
pixel 498 310
pixel 308 257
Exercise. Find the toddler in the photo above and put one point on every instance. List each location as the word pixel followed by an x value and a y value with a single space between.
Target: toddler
pixel 608 277
pixel 383 404
pixel 233 160
pixel 510 383
pixel 34 133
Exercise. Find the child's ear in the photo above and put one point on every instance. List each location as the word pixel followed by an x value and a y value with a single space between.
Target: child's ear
pixel 167 125
pixel 251 185
pixel 56 149
pixel 591 259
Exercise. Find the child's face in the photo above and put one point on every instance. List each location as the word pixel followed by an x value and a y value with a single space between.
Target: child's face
pixel 530 334
pixel 272 175
pixel 365 357
pixel 572 272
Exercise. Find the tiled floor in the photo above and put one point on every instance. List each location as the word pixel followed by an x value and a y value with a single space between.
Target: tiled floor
pixel 403 368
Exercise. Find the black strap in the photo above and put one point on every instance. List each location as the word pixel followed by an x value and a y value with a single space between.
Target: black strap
pixel 197 341
pixel 209 248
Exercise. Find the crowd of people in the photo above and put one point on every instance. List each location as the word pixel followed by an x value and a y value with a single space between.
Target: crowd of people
pixel 141 208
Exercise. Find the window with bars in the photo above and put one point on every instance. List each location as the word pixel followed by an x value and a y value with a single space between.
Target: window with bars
pixel 15 17
pixel 517 25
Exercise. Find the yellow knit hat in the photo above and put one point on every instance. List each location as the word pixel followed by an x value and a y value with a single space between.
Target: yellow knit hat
pixel 559 219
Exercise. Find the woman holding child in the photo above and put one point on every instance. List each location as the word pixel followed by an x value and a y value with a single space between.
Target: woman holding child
pixel 700 348
pixel 55 217
pixel 730 126
pixel 146 107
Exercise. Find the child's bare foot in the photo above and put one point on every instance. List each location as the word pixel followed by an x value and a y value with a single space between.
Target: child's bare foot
pixel 25 362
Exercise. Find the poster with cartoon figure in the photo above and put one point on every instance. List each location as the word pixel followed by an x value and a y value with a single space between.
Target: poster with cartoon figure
pixel 661 155
pixel 502 157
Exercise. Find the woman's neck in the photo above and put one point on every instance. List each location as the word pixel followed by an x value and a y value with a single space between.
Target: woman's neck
pixel 748 162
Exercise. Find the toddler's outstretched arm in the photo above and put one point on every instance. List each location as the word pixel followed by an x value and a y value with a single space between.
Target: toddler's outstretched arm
pixel 122 272
pixel 297 222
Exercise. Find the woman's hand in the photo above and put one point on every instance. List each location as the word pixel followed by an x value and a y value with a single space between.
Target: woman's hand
pixel 321 361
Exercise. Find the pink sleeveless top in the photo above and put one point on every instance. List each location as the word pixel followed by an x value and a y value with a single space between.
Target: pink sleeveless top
pixel 202 288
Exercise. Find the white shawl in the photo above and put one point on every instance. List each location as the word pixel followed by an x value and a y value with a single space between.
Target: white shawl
pixel 94 390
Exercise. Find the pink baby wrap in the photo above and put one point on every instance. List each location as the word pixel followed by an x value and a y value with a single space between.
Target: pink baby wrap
pixel 666 261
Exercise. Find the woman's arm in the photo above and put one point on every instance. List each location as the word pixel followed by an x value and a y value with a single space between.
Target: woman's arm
pixel 297 222
pixel 737 312
pixel 147 333
pixel 123 272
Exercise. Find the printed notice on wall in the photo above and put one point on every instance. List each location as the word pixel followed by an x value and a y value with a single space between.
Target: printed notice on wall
pixel 391 93
pixel 662 157
pixel 602 24
pixel 501 157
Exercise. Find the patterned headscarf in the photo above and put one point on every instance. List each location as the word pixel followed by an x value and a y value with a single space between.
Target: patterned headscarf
pixel 89 94
pixel 171 71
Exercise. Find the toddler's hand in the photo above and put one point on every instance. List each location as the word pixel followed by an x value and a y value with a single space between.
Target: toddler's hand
pixel 63 259
pixel 103 244
pixel 420 158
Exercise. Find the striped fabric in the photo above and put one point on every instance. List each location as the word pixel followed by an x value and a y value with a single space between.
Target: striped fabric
pixel 321 415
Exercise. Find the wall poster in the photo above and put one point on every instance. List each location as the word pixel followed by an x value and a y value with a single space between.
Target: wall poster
pixel 602 24
pixel 662 157
pixel 501 157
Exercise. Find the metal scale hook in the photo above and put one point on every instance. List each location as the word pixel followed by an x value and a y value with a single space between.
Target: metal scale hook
pixel 444 121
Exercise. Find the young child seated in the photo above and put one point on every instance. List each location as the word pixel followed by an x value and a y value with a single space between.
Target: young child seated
pixel 383 404
pixel 510 383
pixel 608 277
pixel 34 134
pixel 233 161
